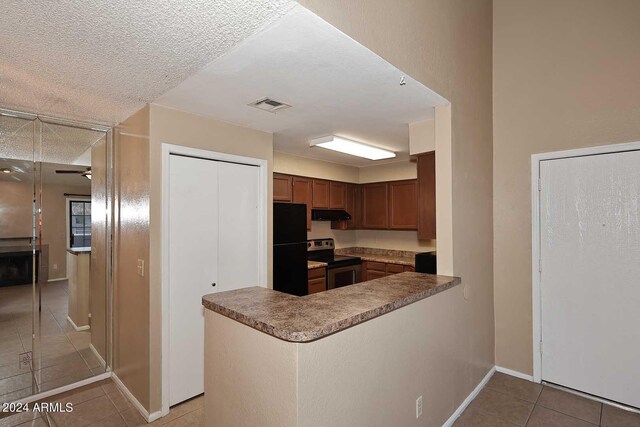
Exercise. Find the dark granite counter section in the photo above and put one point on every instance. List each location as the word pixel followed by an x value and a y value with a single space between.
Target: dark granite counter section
pixel 390 256
pixel 308 318
pixel 315 264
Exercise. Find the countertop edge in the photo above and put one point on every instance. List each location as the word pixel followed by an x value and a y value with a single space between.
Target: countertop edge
pixel 298 336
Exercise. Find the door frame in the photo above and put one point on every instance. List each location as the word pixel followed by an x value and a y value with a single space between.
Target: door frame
pixel 536 258
pixel 262 238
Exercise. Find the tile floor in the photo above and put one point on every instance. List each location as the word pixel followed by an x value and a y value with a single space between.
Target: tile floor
pixel 102 404
pixel 65 356
pixel 507 401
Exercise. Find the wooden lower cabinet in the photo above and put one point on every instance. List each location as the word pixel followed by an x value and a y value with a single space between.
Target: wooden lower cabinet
pixel 317 280
pixel 375 270
pixel 394 268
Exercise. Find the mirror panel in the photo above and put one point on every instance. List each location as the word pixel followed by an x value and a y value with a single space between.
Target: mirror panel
pixel 57 193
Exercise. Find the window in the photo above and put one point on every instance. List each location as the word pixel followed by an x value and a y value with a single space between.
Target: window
pixel 79 224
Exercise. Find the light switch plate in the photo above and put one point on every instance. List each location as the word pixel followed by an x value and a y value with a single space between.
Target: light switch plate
pixel 141 267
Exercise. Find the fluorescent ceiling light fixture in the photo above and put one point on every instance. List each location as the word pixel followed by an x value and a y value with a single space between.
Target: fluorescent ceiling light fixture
pixel 352 148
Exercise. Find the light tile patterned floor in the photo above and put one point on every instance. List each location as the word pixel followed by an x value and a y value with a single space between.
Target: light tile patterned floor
pixel 66 356
pixel 507 401
pixel 101 404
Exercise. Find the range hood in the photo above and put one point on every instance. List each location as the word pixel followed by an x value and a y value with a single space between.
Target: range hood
pixel 329 215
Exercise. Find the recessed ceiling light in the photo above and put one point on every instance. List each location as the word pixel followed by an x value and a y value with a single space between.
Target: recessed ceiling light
pixel 353 148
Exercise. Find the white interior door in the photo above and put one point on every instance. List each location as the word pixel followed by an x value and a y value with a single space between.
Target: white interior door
pixel 590 278
pixel 215 224
pixel 240 225
pixel 193 268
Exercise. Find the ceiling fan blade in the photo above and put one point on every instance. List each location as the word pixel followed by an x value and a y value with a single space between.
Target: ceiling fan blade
pixel 69 171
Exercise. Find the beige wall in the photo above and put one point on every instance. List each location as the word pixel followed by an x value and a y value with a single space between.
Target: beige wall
pixel 16 209
pixel 447 45
pixel 16 218
pixel 422 137
pixel 295 165
pixel 389 172
pixel 367 375
pixel 566 75
pixel 131 319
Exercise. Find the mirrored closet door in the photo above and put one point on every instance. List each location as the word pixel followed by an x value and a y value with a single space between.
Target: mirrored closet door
pixel 55 228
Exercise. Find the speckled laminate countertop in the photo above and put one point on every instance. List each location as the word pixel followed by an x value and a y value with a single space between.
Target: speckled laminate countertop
pixel 315 264
pixel 391 256
pixel 308 318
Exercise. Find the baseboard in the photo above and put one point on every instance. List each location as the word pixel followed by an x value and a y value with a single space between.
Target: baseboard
pixel 57 280
pixel 145 414
pixel 469 399
pixel 514 373
pixel 76 327
pixel 95 353
pixel 54 391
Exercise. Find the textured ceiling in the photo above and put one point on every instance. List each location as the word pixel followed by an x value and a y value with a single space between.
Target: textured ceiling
pixel 101 61
pixel 334 85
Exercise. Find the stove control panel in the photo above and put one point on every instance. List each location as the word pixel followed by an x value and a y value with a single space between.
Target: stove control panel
pixel 320 245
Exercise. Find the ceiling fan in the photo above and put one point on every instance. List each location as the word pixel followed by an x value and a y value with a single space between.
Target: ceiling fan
pixel 86 173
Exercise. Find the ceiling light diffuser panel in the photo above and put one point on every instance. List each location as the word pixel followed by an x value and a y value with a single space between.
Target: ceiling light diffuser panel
pixel 352 148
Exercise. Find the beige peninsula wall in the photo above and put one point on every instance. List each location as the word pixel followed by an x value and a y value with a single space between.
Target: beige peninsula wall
pixel 367 375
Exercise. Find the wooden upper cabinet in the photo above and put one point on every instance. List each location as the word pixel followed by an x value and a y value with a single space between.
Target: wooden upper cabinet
pixel 427 196
pixel 320 194
pixel 302 193
pixel 337 195
pixel 353 207
pixel 403 205
pixel 374 206
pixel 282 187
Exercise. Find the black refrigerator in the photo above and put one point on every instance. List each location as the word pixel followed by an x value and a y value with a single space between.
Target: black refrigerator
pixel 290 248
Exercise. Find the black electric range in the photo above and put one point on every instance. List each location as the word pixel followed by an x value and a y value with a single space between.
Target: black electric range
pixel 341 270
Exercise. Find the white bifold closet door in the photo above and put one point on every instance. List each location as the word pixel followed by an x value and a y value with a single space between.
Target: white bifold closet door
pixel 590 278
pixel 214 223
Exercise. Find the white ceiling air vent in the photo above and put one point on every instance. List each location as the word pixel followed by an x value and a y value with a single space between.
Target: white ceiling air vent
pixel 270 105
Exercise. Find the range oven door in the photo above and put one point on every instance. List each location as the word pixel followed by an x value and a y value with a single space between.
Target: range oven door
pixel 343 276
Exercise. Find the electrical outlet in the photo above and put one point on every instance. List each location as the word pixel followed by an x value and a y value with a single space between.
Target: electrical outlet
pixel 418 407
pixel 141 267
pixel 55 266
pixel 24 360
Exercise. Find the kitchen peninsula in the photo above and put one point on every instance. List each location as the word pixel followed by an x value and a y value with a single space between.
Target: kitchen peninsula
pixel 359 355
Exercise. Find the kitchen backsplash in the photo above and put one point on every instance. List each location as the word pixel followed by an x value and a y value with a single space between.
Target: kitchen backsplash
pixel 382 239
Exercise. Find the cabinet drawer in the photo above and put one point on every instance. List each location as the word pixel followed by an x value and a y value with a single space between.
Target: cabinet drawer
pixel 316 273
pixel 317 285
pixel 394 268
pixel 409 268
pixel 375 274
pixel 378 266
